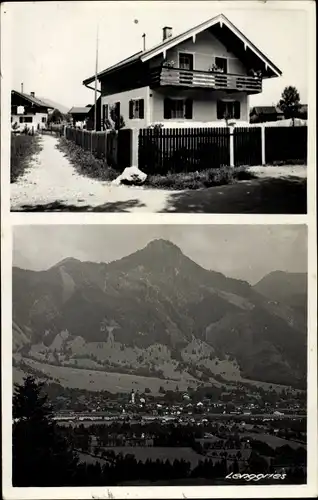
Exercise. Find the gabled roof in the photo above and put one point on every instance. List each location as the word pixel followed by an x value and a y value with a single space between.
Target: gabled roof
pixel 266 110
pixel 167 44
pixel 80 110
pixel 33 100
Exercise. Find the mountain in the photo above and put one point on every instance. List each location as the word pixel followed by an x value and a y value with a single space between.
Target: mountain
pixel 154 313
pixel 55 105
pixel 286 288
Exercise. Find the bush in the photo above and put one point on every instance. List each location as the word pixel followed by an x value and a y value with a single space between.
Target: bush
pixel 85 163
pixel 23 147
pixel 199 180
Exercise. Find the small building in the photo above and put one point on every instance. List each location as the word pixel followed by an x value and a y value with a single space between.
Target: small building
pixel 28 111
pixel 262 114
pixel 80 115
pixel 202 76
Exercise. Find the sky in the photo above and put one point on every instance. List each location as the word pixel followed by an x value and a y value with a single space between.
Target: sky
pixel 246 252
pixel 53 43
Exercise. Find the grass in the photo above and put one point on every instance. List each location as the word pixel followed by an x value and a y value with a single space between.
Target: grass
pixel 23 147
pixel 199 180
pixel 85 162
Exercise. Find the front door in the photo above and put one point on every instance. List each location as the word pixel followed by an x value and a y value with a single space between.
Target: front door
pixel 185 69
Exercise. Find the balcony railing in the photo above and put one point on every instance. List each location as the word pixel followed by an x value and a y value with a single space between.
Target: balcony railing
pixel 205 79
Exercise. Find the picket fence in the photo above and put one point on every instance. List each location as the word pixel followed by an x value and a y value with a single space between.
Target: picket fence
pixel 191 149
pixel 112 146
pixel 162 150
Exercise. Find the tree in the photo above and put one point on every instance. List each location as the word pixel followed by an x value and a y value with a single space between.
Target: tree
pixel 55 117
pixel 41 455
pixel 116 117
pixel 290 102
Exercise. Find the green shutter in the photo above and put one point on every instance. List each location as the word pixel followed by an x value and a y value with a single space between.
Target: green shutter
pixel 237 110
pixel 167 108
pixel 220 110
pixel 188 109
pixel 131 110
pixel 141 108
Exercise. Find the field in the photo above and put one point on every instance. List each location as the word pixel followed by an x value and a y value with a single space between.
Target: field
pixel 94 380
pixel 273 441
pixel 23 147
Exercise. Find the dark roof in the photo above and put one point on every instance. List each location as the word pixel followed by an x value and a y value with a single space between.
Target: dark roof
pixel 33 100
pixel 172 41
pixel 266 110
pixel 79 110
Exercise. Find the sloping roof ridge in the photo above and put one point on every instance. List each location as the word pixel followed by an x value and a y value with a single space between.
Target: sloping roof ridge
pixel 172 41
pixel 34 100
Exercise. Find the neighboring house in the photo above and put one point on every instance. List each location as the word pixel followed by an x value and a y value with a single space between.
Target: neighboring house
pixel 79 114
pixel 28 111
pixel 90 119
pixel 261 114
pixel 201 76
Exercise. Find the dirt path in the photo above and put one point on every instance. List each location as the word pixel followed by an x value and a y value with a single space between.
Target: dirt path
pixel 51 180
pixel 51 183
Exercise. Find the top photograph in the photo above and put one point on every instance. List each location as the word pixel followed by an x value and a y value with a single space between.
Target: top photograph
pixel 158 107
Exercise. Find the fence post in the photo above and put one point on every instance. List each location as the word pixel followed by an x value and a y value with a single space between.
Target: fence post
pixel 231 128
pixel 134 147
pixel 263 145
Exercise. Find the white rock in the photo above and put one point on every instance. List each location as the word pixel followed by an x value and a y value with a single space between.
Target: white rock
pixel 131 175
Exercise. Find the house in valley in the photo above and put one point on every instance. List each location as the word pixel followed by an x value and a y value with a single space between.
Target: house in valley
pixel 80 115
pixel 262 114
pixel 202 76
pixel 28 111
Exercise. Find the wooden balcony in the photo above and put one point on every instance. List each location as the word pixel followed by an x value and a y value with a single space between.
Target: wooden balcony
pixel 177 77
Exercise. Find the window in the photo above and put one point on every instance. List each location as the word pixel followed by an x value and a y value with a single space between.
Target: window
pixel 228 109
pixel 25 119
pixel 186 61
pixel 43 119
pixel 136 109
pixel 221 64
pixel 177 108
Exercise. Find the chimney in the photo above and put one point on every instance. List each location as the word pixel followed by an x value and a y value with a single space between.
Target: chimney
pixel 22 88
pixel 167 32
pixel 32 94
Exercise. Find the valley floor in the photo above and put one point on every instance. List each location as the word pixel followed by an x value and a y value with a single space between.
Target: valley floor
pixel 51 183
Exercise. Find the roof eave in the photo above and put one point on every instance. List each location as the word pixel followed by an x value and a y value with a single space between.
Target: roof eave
pixel 218 19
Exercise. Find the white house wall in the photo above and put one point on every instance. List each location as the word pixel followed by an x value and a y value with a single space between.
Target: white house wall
pixel 36 120
pixel 205 48
pixel 204 105
pixel 124 98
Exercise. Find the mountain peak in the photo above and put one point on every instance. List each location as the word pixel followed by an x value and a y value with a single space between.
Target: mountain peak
pixel 161 244
pixel 67 260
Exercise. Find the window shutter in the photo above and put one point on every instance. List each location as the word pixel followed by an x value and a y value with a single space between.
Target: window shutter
pixel 141 108
pixel 188 108
pixel 131 110
pixel 167 108
pixel 220 111
pixel 237 110
pixel 117 107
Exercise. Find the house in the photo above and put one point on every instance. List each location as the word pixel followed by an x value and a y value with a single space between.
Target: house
pixel 201 76
pixel 28 111
pixel 79 114
pixel 261 114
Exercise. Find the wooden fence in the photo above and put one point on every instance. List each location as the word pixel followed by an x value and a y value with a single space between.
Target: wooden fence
pixel 114 146
pixel 190 149
pixel 182 150
pixel 284 144
pixel 247 146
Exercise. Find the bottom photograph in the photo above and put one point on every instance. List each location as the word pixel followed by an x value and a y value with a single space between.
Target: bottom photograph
pixel 159 355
